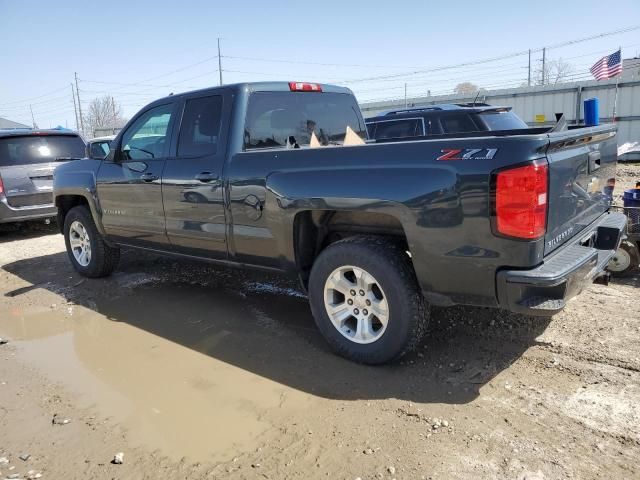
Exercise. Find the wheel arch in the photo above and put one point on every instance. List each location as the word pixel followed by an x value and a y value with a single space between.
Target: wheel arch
pixel 66 201
pixel 314 230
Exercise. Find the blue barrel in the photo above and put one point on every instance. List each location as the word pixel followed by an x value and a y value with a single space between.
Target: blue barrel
pixel 592 112
pixel 631 197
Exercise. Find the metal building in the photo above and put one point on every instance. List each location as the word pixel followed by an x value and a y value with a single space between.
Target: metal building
pixel 10 124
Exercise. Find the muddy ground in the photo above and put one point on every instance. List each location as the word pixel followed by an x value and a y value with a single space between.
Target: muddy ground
pixel 200 372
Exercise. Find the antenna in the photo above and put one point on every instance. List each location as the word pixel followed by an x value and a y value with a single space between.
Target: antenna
pixel 475 99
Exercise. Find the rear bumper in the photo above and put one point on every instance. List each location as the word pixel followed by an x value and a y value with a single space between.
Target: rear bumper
pixel 546 289
pixel 10 214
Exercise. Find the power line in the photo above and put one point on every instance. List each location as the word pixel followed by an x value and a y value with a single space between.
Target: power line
pixel 322 64
pixel 493 59
pixel 27 100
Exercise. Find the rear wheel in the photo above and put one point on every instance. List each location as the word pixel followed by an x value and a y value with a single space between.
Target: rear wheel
pixel 626 260
pixel 366 301
pixel 87 250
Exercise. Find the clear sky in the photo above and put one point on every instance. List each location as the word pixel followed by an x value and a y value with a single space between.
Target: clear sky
pixel 140 50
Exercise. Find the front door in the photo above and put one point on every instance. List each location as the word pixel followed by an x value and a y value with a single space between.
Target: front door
pixel 129 181
pixel 192 186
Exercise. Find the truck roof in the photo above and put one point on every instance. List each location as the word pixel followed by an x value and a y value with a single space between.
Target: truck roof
pixel 21 132
pixel 277 86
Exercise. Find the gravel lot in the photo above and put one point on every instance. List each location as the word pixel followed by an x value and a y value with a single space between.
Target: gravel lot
pixel 199 372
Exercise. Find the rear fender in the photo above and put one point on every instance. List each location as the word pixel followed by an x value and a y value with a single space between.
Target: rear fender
pixel 402 197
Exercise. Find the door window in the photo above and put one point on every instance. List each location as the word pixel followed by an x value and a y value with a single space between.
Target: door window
pixel 200 127
pixel 458 123
pixel 147 137
pixel 407 127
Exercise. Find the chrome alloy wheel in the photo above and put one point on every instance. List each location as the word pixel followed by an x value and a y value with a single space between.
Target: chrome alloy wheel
pixel 356 304
pixel 80 243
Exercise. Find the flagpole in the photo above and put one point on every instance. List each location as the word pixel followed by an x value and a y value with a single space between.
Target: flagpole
pixel 615 97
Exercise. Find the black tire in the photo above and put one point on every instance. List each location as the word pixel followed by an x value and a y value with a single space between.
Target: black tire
pixel 630 249
pixel 104 258
pixel 392 269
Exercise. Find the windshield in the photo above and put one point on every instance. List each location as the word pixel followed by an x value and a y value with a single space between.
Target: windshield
pixel 274 117
pixel 502 120
pixel 39 149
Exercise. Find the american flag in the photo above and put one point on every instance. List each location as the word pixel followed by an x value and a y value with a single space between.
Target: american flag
pixel 608 67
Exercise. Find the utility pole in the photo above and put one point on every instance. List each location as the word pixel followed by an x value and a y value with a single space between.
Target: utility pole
pixel 219 61
pixel 113 109
pixel 544 64
pixel 33 120
pixel 75 107
pixel 529 76
pixel 405 95
pixel 79 105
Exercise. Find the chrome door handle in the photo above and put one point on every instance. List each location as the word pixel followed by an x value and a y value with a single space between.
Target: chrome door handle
pixel 206 177
pixel 148 177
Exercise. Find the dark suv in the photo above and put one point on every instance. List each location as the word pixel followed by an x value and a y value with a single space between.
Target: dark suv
pixel 450 118
pixel 27 160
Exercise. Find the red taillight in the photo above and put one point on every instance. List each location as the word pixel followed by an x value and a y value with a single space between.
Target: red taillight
pixel 1 187
pixel 304 87
pixel 521 201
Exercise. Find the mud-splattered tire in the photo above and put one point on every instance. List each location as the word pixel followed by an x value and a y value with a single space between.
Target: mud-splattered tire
pixel 366 301
pixel 87 250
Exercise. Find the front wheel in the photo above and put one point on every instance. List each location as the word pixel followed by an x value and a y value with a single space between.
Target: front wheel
pixel 366 300
pixel 87 250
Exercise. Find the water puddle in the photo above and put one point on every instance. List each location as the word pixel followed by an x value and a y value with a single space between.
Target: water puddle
pixel 165 363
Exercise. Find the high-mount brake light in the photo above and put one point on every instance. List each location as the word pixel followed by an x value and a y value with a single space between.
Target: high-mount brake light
pixel 521 200
pixel 304 87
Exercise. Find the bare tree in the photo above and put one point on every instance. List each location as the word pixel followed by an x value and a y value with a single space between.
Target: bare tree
pixel 465 88
pixel 555 71
pixel 103 112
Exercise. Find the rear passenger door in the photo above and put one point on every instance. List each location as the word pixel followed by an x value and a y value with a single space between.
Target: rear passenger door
pixel 192 186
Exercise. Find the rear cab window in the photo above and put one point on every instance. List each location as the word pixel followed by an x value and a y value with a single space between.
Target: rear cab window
pixel 40 148
pixel 274 119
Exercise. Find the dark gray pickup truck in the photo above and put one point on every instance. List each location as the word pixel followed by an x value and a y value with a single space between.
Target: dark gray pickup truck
pixel 257 175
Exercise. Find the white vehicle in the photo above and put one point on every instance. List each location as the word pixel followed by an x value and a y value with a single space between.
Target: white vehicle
pixel 99 147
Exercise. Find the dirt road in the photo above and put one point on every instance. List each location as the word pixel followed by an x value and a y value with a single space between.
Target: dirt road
pixel 199 372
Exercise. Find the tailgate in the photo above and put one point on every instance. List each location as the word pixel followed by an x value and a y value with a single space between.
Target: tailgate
pixel 27 162
pixel 26 185
pixel 582 162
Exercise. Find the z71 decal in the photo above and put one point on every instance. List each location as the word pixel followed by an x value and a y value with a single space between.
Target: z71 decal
pixel 467 153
